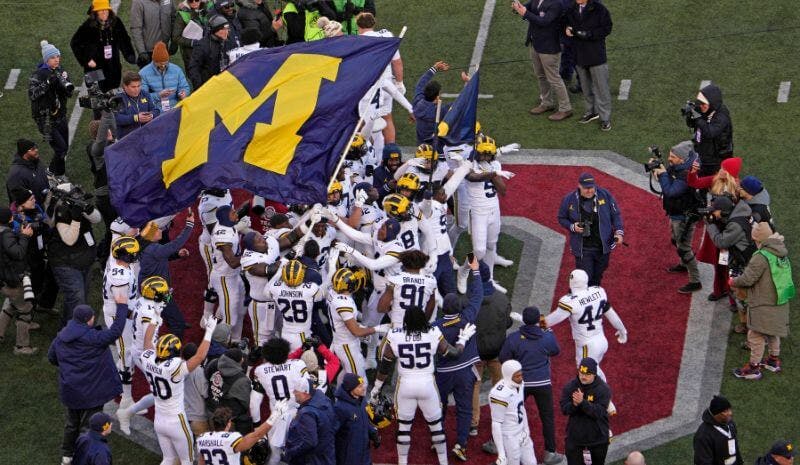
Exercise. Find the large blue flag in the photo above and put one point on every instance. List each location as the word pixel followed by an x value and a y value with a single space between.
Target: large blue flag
pixel 274 123
pixel 458 124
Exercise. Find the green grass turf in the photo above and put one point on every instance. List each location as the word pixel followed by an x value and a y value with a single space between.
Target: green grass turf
pixel 665 47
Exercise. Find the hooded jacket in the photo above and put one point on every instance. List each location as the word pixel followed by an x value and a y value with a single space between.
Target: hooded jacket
pixel 87 374
pixel 759 205
pixel 763 315
pixel 89 42
pixel 425 111
pixel 91 448
pixel 47 94
pixel 352 439
pixel 678 197
pixel 532 347
pixel 731 234
pixel 14 248
pixel 588 421
pixel 596 22
pixel 183 17
pixel 451 324
pixel 228 386
pixel 311 436
pixel 713 136
pixel 209 56
pixel 258 17
pixel 30 175
pixel 492 322
pixel 711 442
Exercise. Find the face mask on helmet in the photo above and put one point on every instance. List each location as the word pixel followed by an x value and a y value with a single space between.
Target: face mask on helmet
pixel 397 206
pixel 485 148
pixel 157 289
pixel 344 281
pixel 427 153
pixel 578 280
pixel 408 185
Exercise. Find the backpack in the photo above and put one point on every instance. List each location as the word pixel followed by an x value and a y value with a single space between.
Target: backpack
pixel 742 257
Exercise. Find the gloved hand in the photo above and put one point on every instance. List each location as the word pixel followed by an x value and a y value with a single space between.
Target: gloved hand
pixel 466 333
pixel 211 323
pixel 211 296
pixel 516 317
pixel 375 393
pixel 456 157
pixel 418 162
pixel 695 114
pixel 622 336
pixel 316 217
pixel 242 225
pixel 510 148
pixel 143 59
pixel 361 198
pixel 375 438
pixel 278 411
pixel 254 356
pixel 88 208
pixel 331 216
pixel 311 342
pixel 76 212
pixel 382 329
pixel 344 248
pixel 505 174
pixel 583 35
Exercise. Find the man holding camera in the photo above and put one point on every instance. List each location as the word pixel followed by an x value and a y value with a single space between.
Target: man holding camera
pixel 680 202
pixel 49 88
pixel 13 264
pixel 713 130
pixel 137 109
pixel 26 172
pixel 594 222
pixel 72 248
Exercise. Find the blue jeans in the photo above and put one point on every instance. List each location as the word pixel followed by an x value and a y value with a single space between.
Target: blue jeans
pixel 594 262
pixel 74 285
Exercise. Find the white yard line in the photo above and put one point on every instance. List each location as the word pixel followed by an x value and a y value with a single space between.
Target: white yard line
pixel 483 35
pixel 483 96
pixel 115 5
pixel 75 117
pixel 624 89
pixel 11 82
pixel 783 91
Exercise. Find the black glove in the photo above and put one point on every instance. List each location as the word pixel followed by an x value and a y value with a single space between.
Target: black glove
pixel 583 35
pixel 375 438
pixel 143 60
pixel 88 208
pixel 311 342
pixel 130 58
pixel 695 114
pixel 427 194
pixel 211 296
pixel 76 212
pixel 53 80
pixel 254 356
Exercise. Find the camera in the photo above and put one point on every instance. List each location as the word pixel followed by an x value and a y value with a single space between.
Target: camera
pixel 655 159
pixel 97 99
pixel 27 289
pixel 76 196
pixel 689 107
pixel 587 227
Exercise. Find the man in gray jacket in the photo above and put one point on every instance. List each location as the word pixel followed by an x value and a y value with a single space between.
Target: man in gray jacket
pixel 151 21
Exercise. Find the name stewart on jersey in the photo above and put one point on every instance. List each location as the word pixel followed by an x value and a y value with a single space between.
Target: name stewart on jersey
pixel 269 368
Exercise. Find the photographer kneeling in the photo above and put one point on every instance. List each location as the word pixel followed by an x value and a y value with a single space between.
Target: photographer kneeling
pixel 13 264
pixel 71 248
pixel 680 203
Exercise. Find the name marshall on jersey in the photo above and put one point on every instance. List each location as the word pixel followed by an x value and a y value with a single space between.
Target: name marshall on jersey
pixel 214 442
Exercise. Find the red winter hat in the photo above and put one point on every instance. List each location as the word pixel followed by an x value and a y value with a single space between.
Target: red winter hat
pixel 732 166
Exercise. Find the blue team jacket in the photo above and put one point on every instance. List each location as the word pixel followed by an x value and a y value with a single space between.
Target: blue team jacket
pixel 311 436
pixel 425 111
pixel 352 439
pixel 92 449
pixel 532 347
pixel 450 325
pixel 607 211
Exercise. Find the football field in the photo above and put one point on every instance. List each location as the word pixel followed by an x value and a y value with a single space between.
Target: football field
pixel 659 53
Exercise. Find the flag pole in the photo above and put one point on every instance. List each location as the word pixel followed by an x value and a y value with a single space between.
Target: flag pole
pixel 435 141
pixel 355 130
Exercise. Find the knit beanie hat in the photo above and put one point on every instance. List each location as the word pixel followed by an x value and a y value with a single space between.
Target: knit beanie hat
pixel 752 185
pixel 221 333
pixel 20 195
pixel 234 354
pixel 531 315
pixel 251 35
pixel 683 150
pixel 311 361
pixel 149 231
pixel 216 23
pixel 100 5
pixel 160 53
pixel 718 405
pixel 761 231
pixel 23 145
pixel 722 203
pixel 588 365
pixel 732 166
pixel 82 313
pixel 351 381
pixel 48 50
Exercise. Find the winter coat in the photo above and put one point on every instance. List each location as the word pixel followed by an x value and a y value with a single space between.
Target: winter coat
pixel 153 82
pixel 48 94
pixel 759 206
pixel 763 315
pixel 154 257
pixel 236 388
pixel 258 17
pixel 713 137
pixel 588 421
pixel 544 25
pixel 711 445
pixel 127 117
pixel 609 217
pixel 492 322
pixel 425 111
pixel 311 436
pixel 89 42
pixel 451 325
pixel 731 234
pixel 87 374
pixel 30 175
pixel 151 21
pixel 209 56
pixel 352 439
pixel 183 17
pixel 532 347
pixel 14 248
pixel 596 22
pixel 678 197
pixel 92 448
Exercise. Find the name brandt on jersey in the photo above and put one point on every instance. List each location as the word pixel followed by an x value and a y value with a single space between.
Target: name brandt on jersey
pixel 412 280
pixel 594 296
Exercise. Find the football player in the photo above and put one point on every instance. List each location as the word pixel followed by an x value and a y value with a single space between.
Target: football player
pixel 415 346
pixel 120 280
pixel 401 208
pixel 342 313
pixel 409 288
pixel 274 378
pixel 354 163
pixel 510 430
pixel 222 446
pixel 585 306
pixel 210 200
pixel 165 371
pixel 383 180
pixel 426 166
pixel 225 276
pixel 260 262
pixel 295 292
pixel 365 213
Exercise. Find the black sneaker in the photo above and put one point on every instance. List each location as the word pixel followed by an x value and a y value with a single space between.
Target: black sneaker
pixel 473 430
pixel 679 268
pixel 588 117
pixel 689 288
pixel 605 126
pixel 715 297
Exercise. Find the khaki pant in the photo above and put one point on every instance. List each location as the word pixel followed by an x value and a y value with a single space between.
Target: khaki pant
pixel 758 341
pixel 199 427
pixel 545 67
pixel 494 374
pixel 18 308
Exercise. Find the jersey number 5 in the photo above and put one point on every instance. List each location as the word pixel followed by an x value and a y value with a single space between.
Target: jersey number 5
pixel 409 353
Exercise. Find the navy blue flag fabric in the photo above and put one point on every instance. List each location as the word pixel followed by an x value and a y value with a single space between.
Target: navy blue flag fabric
pixel 458 124
pixel 274 123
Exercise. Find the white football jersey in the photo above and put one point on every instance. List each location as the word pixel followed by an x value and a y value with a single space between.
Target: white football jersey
pixel 433 231
pixel 482 194
pixel 415 352
pixel 218 447
pixel 324 243
pixel 439 173
pixel 370 216
pixel 117 275
pixel 219 236
pixel 393 248
pixel 166 382
pixel 146 313
pixel 586 309
pixel 341 307
pixel 410 290
pixel 508 408
pixel 277 380
pixel 258 284
pixel 408 235
pixel 294 303
pixel 209 204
